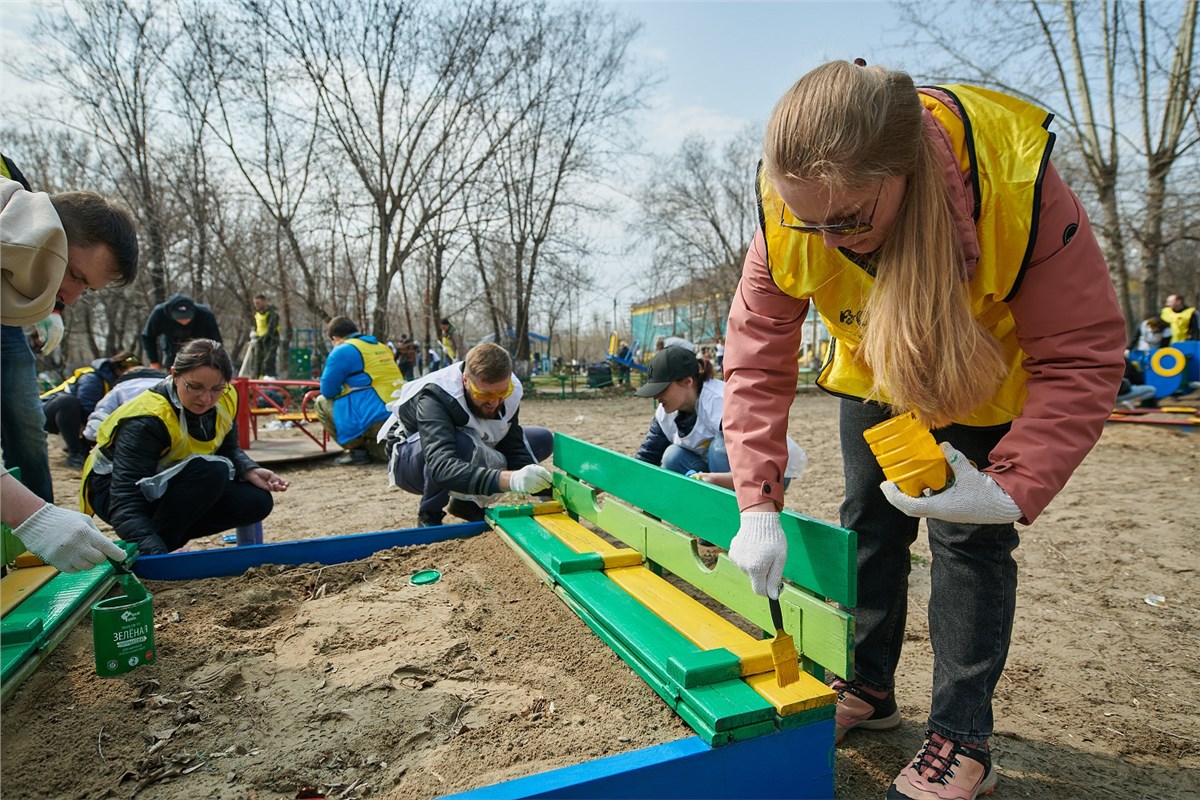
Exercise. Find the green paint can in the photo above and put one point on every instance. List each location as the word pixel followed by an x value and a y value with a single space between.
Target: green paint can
pixel 123 629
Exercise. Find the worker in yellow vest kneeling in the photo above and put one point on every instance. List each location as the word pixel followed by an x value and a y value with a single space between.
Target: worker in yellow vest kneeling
pixel 168 467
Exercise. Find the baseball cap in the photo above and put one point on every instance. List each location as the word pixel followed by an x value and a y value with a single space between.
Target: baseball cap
pixel 183 308
pixel 670 364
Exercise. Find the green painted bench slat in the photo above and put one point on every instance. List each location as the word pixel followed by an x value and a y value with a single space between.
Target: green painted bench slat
pixel 822 632
pixel 821 557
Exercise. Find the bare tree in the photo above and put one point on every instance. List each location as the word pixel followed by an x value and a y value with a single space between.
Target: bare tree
pixel 1089 63
pixel 105 55
pixel 400 86
pixel 698 213
pixel 574 96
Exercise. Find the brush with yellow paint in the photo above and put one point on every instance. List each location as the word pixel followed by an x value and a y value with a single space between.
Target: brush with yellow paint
pixel 783 649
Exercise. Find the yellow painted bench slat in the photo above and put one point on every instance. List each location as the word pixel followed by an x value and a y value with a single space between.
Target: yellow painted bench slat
pixel 579 538
pixel 19 584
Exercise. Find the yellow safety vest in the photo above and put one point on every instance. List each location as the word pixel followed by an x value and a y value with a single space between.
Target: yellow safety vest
pixel 448 345
pixel 62 387
pixel 380 367
pixel 1005 145
pixel 1179 322
pixel 183 444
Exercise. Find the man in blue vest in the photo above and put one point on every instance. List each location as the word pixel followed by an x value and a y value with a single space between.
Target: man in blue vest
pixel 358 382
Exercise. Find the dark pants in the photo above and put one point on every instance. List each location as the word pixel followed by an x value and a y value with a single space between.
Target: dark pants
pixel 412 475
pixel 199 501
pixel 264 357
pixel 973 584
pixel 22 423
pixel 64 415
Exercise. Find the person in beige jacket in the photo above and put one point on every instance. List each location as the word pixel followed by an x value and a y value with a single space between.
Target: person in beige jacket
pixel 52 249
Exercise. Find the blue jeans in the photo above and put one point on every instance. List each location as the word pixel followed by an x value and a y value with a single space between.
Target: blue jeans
pixel 411 474
pixel 973 590
pixel 681 460
pixel 22 423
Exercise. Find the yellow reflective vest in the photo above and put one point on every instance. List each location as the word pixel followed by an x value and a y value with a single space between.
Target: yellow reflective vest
pixel 1178 322
pixel 380 366
pixel 69 382
pixel 183 444
pixel 1004 144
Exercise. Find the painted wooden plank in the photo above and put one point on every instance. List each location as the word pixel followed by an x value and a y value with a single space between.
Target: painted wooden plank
pixel 821 557
pixel 702 626
pixel 726 705
pixel 823 633
pixel 20 584
pixel 709 631
pixel 577 537
pixel 788 765
pixel 803 695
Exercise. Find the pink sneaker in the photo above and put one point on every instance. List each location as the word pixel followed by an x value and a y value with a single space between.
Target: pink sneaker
pixel 860 707
pixel 945 770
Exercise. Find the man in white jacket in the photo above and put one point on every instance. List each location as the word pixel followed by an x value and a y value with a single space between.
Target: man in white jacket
pixel 52 249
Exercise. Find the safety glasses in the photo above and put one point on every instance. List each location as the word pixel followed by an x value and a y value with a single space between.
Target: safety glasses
pixel 856 228
pixel 488 397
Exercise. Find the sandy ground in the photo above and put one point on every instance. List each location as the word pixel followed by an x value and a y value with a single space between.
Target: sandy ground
pixel 348 681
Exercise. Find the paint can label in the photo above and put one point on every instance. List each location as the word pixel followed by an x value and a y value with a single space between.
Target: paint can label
pixel 123 634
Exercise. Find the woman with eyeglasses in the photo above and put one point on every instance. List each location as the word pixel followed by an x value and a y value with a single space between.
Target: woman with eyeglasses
pixel 167 466
pixel 961 281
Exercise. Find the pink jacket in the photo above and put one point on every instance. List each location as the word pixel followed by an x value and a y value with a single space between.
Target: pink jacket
pixel 1068 322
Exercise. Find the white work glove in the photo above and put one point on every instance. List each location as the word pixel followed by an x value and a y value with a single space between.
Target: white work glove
pixel 973 497
pixel 50 332
pixel 760 551
pixel 66 539
pixel 529 479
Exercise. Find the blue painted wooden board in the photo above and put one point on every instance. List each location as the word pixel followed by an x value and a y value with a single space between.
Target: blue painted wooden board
pixel 788 764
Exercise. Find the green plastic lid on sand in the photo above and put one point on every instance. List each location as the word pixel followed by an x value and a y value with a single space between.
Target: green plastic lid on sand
pixel 424 577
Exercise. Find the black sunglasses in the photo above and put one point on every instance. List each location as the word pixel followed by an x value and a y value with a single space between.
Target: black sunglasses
pixel 856 228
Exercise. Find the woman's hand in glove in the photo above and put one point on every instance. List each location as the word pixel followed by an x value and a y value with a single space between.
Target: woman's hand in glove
pixel 972 498
pixel 760 551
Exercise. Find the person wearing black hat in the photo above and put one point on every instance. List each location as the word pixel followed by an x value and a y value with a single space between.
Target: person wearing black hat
pixel 685 435
pixel 174 322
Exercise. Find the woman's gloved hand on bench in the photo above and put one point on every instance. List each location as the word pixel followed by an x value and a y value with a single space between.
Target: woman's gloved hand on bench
pixel 760 550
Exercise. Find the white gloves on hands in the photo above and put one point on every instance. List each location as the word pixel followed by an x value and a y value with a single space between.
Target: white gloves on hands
pixel 973 498
pixel 50 332
pixel 66 539
pixel 530 479
pixel 760 551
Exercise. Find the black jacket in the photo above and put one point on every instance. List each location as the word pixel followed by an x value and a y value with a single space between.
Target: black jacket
pixel 437 417
pixel 656 441
pixel 134 451
pixel 160 325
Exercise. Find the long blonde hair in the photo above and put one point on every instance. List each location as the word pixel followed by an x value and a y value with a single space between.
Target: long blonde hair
pixel 846 127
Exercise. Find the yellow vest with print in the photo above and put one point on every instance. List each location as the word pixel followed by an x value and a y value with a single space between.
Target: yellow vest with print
pixel 183 444
pixel 380 367
pixel 62 387
pixel 1178 321
pixel 1007 162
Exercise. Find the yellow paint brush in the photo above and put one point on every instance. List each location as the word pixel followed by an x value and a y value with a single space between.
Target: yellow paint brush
pixel 783 649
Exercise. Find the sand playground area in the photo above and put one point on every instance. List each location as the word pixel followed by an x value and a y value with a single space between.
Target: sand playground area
pixel 348 681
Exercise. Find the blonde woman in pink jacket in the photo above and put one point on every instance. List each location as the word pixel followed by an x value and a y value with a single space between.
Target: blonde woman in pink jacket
pixel 961 281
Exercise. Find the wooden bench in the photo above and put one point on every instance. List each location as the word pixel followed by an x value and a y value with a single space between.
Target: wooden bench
pixel 617 529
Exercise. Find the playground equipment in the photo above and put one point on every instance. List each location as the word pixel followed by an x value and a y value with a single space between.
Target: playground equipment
pixel 631 359
pixel 1170 369
pixel 720 679
pixel 258 398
